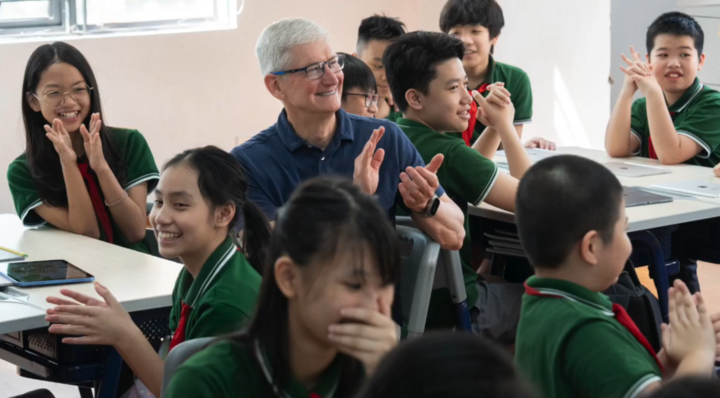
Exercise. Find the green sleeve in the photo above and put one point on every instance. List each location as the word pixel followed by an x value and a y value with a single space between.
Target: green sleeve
pixel 522 99
pixel 469 175
pixel 216 320
pixel 25 196
pixel 639 124
pixel 140 162
pixel 207 374
pixel 598 347
pixel 702 125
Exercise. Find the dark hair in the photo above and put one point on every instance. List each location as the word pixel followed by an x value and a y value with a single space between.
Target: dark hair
pixel 446 364
pixel 378 27
pixel 222 180
pixel 324 217
pixel 357 75
pixel 43 161
pixel 410 61
pixel 486 13
pixel 689 387
pixel 676 24
pixel 559 200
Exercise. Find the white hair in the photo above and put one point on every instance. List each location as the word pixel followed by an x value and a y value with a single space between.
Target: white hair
pixel 275 42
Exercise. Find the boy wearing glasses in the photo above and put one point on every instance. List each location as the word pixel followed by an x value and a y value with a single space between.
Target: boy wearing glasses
pixel 359 95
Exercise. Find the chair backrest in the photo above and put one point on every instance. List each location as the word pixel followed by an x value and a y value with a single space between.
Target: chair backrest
pixel 179 354
pixel 420 256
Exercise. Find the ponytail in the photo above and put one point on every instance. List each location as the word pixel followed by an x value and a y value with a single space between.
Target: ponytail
pixel 255 236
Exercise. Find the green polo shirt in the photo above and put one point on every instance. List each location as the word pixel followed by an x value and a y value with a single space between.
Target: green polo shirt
pixel 517 83
pixel 695 115
pixel 467 177
pixel 229 369
pixel 141 168
pixel 222 297
pixel 394 115
pixel 572 346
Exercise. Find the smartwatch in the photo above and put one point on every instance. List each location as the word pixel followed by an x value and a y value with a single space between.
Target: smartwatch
pixel 431 208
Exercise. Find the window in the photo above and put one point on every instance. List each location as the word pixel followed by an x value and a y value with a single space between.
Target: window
pixel 36 18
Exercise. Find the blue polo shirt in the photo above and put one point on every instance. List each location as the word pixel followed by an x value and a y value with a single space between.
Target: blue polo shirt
pixel 277 160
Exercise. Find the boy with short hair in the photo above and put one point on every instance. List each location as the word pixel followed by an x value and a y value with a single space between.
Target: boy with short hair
pixel 572 341
pixel 678 120
pixel 359 92
pixel 478 24
pixel 429 85
pixel 374 35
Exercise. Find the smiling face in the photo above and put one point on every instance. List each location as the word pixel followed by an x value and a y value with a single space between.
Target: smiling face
pixel 478 44
pixel 59 79
pixel 446 105
pixel 320 96
pixel 675 62
pixel 183 221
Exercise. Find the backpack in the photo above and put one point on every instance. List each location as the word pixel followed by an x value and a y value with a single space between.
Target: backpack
pixel 640 304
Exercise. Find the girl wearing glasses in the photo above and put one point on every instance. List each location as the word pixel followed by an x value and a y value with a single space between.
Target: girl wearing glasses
pixel 359 95
pixel 78 174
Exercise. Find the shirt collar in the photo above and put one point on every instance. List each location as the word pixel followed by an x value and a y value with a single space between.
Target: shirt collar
pixel 210 271
pixel 692 92
pixel 571 291
pixel 292 141
pixel 326 386
pixel 408 123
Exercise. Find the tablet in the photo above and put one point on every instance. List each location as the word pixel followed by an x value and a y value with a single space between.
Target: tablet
pixel 635 196
pixel 41 273
pixel 634 170
pixel 695 188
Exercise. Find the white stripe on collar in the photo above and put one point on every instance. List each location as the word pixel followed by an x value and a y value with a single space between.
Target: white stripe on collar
pixel 565 295
pixel 697 91
pixel 215 271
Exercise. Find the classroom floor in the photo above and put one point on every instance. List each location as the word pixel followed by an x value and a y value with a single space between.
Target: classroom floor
pixel 11 384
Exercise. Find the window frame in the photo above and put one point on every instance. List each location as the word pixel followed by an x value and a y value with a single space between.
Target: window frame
pixel 69 18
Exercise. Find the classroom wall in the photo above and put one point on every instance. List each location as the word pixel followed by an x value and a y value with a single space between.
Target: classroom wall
pixel 187 90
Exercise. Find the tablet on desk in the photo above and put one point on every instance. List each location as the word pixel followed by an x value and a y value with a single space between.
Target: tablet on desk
pixel 695 188
pixel 635 196
pixel 634 170
pixel 41 273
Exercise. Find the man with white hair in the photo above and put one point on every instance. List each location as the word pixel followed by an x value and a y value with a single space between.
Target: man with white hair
pixel 314 136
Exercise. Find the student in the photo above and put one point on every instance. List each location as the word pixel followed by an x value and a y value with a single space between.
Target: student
pixel 359 92
pixel 689 387
pixel 200 192
pixel 678 120
pixel 478 24
pixel 78 174
pixel 446 364
pixel 374 35
pixel 323 318
pixel 572 341
pixel 428 83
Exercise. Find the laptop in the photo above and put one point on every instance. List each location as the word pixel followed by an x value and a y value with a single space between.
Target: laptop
pixel 634 170
pixel 635 196
pixel 695 188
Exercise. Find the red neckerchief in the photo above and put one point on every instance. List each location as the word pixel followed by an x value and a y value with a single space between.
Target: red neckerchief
pixel 97 202
pixel 651 149
pixel 468 133
pixel 621 316
pixel 179 335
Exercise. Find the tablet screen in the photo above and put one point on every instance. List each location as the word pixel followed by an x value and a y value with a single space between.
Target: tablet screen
pixel 42 271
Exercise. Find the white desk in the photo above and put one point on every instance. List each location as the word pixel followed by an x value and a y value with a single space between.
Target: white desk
pixel 139 281
pixel 642 217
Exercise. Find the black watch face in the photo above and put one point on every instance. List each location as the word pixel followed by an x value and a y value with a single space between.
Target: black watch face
pixel 434 207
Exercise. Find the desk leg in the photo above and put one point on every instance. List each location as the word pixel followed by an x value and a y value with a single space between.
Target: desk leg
pixel 658 264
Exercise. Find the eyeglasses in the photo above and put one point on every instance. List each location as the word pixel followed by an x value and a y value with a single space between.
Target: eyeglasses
pixel 56 99
pixel 317 71
pixel 370 99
